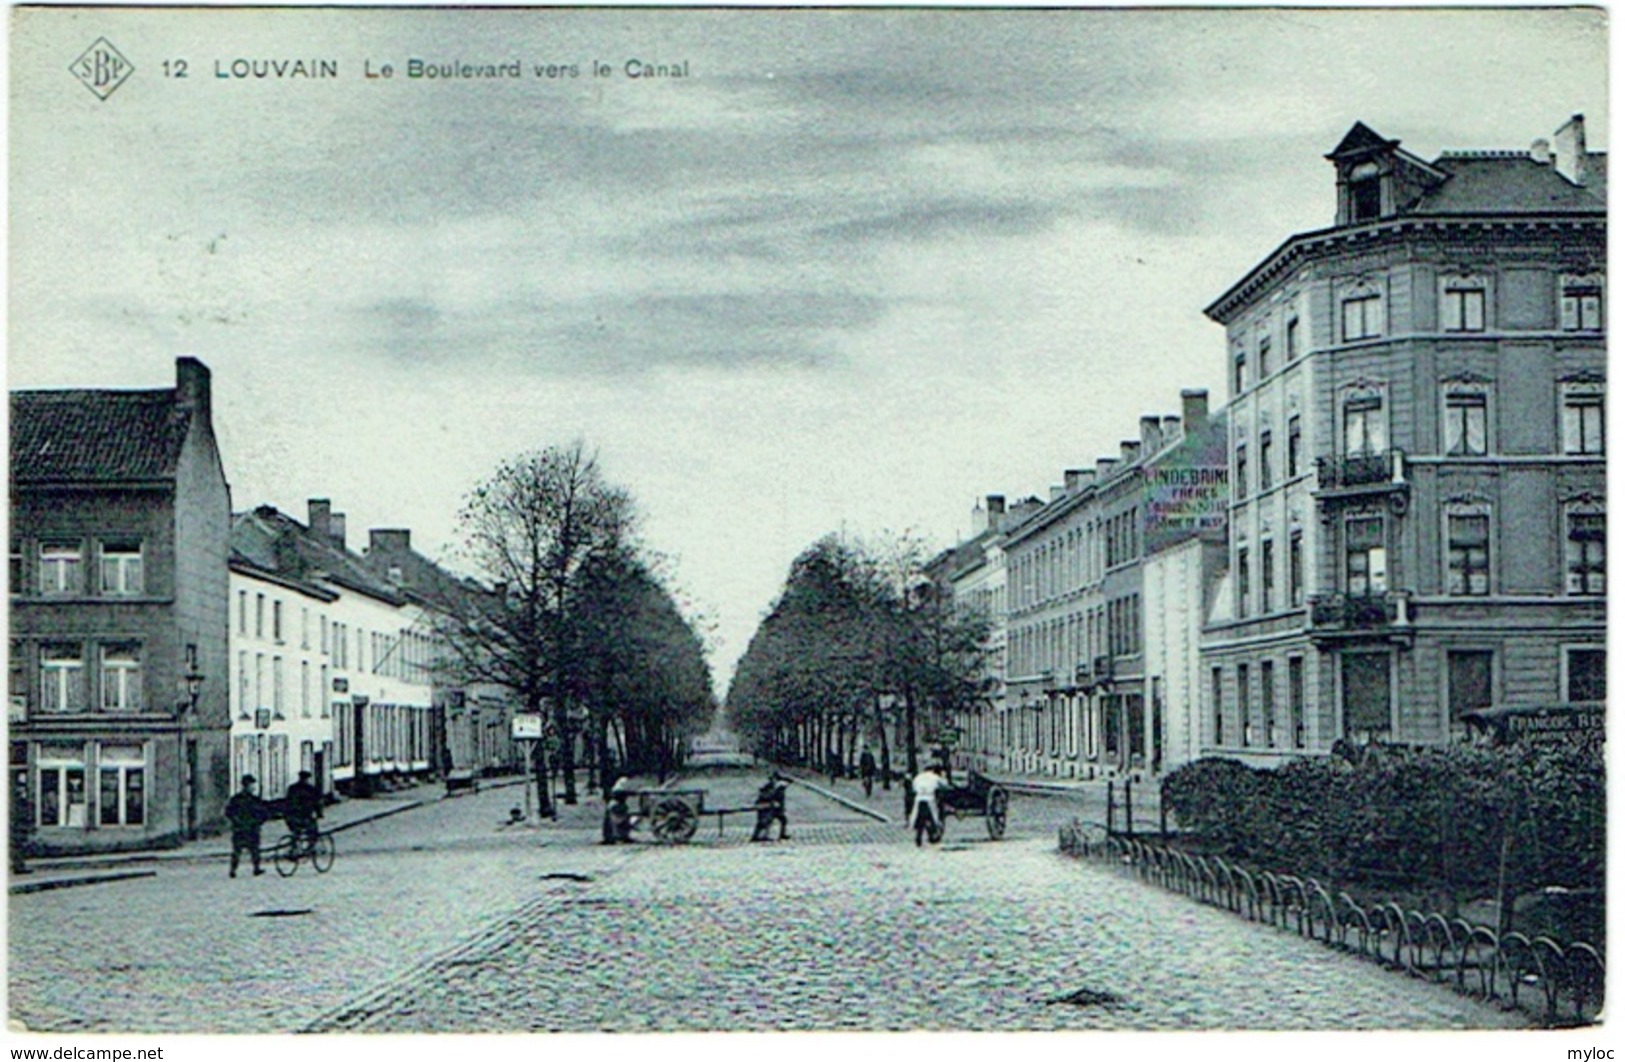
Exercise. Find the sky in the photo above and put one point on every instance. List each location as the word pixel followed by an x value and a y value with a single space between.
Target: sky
pixel 853 272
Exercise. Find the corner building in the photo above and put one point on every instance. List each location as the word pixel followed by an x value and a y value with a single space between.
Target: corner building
pixel 1416 446
pixel 120 513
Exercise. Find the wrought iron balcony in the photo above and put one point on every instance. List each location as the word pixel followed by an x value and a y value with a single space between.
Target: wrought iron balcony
pixel 1339 616
pixel 1361 473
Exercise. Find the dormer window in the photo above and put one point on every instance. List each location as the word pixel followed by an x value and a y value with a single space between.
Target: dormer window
pixel 1365 192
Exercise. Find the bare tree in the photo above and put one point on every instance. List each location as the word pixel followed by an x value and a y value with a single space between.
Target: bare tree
pixel 529 531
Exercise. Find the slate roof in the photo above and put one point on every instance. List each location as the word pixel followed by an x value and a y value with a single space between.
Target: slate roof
pixel 96 435
pixel 269 539
pixel 1493 182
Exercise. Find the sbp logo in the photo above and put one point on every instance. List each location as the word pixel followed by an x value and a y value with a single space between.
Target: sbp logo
pixel 102 68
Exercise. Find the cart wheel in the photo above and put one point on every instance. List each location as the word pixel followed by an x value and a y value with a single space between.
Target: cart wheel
pixel 285 856
pixel 673 821
pixel 934 832
pixel 322 853
pixel 998 809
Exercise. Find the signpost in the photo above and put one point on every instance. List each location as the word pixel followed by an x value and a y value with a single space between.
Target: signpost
pixel 527 729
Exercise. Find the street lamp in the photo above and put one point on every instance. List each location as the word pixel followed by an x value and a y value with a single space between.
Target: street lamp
pixel 191 682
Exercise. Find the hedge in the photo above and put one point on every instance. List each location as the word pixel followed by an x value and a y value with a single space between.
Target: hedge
pixel 1422 816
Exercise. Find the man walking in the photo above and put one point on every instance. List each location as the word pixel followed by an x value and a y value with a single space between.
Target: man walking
pixel 245 811
pixel 866 771
pixel 925 817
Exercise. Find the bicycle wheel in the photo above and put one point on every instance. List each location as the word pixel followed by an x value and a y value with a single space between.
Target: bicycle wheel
pixel 286 856
pixel 322 851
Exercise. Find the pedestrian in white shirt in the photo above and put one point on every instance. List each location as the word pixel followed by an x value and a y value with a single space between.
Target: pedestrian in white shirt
pixel 925 786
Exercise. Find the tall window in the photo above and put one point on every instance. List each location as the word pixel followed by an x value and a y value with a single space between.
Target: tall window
pixel 1240 358
pixel 1364 431
pixel 1241 470
pixel 1266 701
pixel 121 568
pixel 122 785
pixel 1469 673
pixel 121 678
pixel 324 692
pixel 1294 570
pixel 1586 550
pixel 1582 418
pixel 1587 674
pixel 1362 315
pixel 1294 446
pixel 304 626
pixel 244 692
pixel 1581 303
pixel 1293 342
pixel 1243 583
pixel 1263 356
pixel 1466 423
pixel 1294 700
pixel 276 621
pixel 242 612
pixel 61 568
pixel 1244 705
pixel 277 702
pixel 304 688
pixel 1469 554
pixel 18 682
pixel 1266 576
pixel 1266 444
pixel 17 566
pixel 259 615
pixel 1365 193
pixel 1366 559
pixel 62 677
pixel 1461 305
pixel 1218 706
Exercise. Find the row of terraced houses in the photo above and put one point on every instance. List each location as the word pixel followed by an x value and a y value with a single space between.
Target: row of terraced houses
pixel 1398 518
pixel 163 646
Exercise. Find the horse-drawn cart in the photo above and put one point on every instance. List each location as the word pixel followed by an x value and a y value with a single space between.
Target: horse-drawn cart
pixel 672 815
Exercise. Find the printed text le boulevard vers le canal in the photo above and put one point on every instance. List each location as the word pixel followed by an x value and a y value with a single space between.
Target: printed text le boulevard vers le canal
pixel 416 69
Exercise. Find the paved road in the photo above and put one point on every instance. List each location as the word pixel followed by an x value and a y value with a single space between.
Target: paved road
pixel 440 918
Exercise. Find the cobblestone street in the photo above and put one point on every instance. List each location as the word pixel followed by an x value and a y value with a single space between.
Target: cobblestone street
pixel 441 918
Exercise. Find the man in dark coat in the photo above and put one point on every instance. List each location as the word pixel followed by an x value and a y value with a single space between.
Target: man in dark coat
pixel 302 808
pixel 866 770
pixel 245 811
pixel 770 809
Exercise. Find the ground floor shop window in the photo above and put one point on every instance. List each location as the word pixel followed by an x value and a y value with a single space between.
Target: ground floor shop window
pixel 121 795
pixel 62 794
pixel 1587 674
pixel 1294 699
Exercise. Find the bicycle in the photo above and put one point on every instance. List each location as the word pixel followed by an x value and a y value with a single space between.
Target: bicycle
pixel 295 848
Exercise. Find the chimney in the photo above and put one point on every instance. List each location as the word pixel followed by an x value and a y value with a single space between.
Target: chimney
pixel 389 540
pixel 1150 435
pixel 321 515
pixel 1193 410
pixel 1103 468
pixel 335 528
pixel 1569 149
pixel 1540 152
pixel 1056 492
pixel 1170 428
pixel 1079 479
pixel 192 386
pixel 1130 450
pixel 992 517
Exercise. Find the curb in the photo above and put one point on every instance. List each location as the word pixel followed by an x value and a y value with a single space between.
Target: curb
pixel 70 883
pixel 839 799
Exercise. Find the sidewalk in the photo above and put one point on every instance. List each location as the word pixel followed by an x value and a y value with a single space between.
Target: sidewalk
pixel 58 872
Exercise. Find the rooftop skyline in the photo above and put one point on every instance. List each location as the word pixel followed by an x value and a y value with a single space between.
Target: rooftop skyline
pixel 855 271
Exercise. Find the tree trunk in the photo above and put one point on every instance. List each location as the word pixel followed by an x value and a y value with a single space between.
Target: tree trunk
pixel 908 718
pixel 544 800
pixel 885 755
